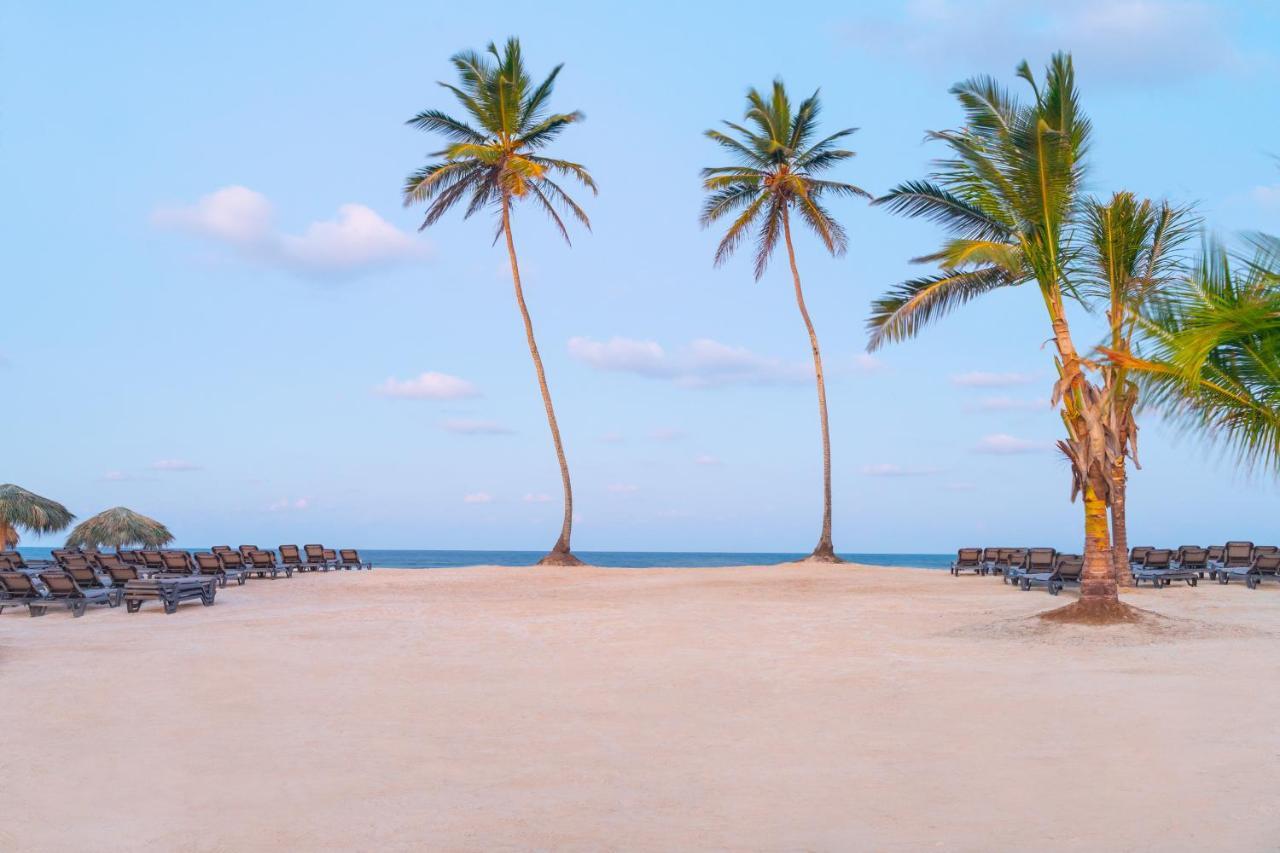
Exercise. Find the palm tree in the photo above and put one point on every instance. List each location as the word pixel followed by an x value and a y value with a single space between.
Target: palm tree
pixel 1009 193
pixel 118 528
pixel 1129 261
pixel 776 172
pixel 21 509
pixel 1208 357
pixel 493 163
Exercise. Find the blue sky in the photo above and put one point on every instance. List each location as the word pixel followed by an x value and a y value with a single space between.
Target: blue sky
pixel 217 312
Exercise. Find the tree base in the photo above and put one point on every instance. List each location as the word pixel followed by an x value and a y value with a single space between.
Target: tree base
pixel 823 554
pixel 560 558
pixel 1095 611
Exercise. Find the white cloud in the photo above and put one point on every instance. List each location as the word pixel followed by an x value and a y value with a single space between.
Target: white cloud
pixel 173 465
pixel 666 434
pixel 285 504
pixel 987 379
pixel 622 488
pixel 357 240
pixel 1003 444
pixel 706 459
pixel 539 498
pixel 1124 42
pixel 703 363
pixel 428 386
pixel 469 427
pixel 1011 404
pixel 477 498
pixel 890 469
pixel 1266 196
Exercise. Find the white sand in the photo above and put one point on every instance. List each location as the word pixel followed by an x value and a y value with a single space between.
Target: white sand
pixel 786 708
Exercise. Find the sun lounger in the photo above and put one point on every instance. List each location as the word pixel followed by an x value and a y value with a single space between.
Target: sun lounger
pixel 349 558
pixel 85 575
pixel 967 559
pixel 1263 567
pixel 18 589
pixel 316 558
pixel 1018 565
pixel 1157 568
pixel 989 557
pixel 121 573
pixel 177 563
pixel 1262 550
pixel 291 557
pixel 1138 554
pixel 1196 559
pixel 263 564
pixel 169 591
pixel 1237 555
pixel 20 562
pixel 210 566
pixel 66 590
pixel 246 550
pixel 1215 556
pixel 1061 572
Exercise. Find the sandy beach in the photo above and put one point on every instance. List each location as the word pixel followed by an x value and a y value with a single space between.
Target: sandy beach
pixel 777 708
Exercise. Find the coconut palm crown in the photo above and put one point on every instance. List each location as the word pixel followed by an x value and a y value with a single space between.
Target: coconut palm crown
pixel 24 510
pixel 778 163
pixel 779 158
pixel 118 528
pixel 494 157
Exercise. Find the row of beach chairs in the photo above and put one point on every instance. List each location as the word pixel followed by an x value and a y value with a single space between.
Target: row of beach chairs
pixel 77 578
pixel 1031 567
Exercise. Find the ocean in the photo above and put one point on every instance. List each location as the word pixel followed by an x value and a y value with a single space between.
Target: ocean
pixel 427 559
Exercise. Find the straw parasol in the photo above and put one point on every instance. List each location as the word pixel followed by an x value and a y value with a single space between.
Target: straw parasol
pixel 119 527
pixel 20 509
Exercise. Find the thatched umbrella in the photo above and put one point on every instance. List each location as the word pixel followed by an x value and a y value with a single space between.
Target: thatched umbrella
pixel 119 527
pixel 30 512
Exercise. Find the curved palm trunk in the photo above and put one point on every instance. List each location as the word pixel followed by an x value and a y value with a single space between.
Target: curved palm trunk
pixel 560 554
pixel 824 550
pixel 1099 599
pixel 1119 527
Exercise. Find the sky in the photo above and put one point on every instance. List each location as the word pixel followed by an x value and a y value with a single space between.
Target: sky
pixel 218 313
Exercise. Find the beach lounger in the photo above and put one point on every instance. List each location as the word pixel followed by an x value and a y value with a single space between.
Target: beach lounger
pixel 349 558
pixel 1237 555
pixel 86 575
pixel 1196 559
pixel 968 559
pixel 121 573
pixel 1059 574
pixel 210 566
pixel 18 589
pixel 246 550
pixel 177 563
pixel 1158 569
pixel 151 560
pixel 1262 550
pixel 1262 567
pixel 169 591
pixel 1215 556
pixel 989 558
pixel 1138 554
pixel 20 562
pixel 1017 565
pixel 263 564
pixel 64 590
pixel 316 558
pixel 291 557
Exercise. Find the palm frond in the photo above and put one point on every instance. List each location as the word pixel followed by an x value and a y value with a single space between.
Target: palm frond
pixel 912 305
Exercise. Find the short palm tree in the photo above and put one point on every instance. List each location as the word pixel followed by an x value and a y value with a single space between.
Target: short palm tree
pixel 776 173
pixel 1009 194
pixel 24 510
pixel 1130 259
pixel 118 528
pixel 1209 358
pixel 493 159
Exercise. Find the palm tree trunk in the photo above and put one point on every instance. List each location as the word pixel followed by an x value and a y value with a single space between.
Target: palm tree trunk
pixel 1119 526
pixel 1097 583
pixel 560 554
pixel 824 551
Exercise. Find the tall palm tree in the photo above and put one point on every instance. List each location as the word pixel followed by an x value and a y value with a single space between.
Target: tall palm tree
pixel 1209 358
pixel 24 510
pixel 776 172
pixel 1009 193
pixel 493 163
pixel 1129 260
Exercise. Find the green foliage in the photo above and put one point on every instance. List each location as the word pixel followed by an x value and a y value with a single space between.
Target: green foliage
pixel 776 171
pixel 1209 355
pixel 496 155
pixel 1007 192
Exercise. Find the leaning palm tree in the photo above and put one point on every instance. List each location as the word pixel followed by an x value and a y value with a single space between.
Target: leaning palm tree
pixel 1129 261
pixel 1009 194
pixel 1208 358
pixel 494 163
pixel 119 528
pixel 776 173
pixel 24 510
